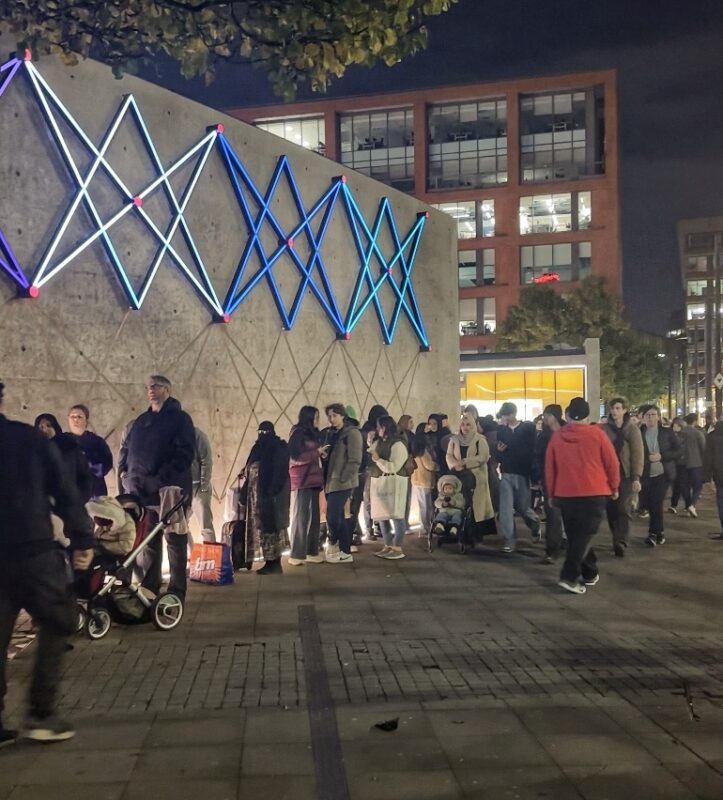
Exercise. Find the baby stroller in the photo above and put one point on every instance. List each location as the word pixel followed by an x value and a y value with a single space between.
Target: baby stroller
pixel 108 593
pixel 460 537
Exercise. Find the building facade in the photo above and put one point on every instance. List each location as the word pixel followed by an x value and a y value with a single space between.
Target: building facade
pixel 527 168
pixel 701 244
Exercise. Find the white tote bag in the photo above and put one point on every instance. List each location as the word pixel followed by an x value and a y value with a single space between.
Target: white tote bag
pixel 389 497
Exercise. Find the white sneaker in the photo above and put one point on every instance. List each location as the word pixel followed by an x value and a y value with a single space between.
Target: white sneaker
pixel 296 562
pixel 354 549
pixel 340 558
pixel 317 559
pixel 693 512
pixel 575 588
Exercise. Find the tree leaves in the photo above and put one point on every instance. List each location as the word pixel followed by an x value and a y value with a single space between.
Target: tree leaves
pixel 629 363
pixel 294 42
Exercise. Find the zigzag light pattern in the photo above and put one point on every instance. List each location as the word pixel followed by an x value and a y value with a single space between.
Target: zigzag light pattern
pixel 366 238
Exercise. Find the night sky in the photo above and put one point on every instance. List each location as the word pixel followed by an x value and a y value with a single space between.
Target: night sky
pixel 669 58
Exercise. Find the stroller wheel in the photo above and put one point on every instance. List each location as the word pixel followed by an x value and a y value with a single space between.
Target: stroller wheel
pixel 167 611
pixel 98 623
pixel 82 618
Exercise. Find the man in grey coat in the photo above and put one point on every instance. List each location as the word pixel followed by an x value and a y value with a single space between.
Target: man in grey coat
pixel 201 472
pixel 693 440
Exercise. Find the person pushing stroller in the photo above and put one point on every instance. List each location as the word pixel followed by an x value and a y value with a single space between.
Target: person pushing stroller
pixel 450 504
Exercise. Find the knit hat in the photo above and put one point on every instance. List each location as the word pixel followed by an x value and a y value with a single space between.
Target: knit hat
pixel 578 409
pixel 449 479
pixel 554 410
pixel 351 413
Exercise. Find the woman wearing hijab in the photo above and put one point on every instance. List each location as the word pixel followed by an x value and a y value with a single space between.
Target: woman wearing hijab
pixel 76 466
pixel 468 450
pixel 268 497
pixel 424 477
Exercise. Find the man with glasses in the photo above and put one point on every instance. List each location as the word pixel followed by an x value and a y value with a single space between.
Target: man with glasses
pixel 157 452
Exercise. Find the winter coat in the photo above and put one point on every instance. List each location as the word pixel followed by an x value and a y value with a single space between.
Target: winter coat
pixel 455 500
pixel 393 455
pixel 581 462
pixel 32 476
pixel 304 465
pixel 628 444
pixel 99 458
pixel 478 454
pixel 693 441
pixel 713 456
pixel 541 443
pixel 344 460
pixel 518 456
pixel 202 466
pixel 274 484
pixel 75 463
pixel 670 451
pixel 425 475
pixel 158 451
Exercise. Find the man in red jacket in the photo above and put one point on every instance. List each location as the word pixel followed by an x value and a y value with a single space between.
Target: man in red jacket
pixel 581 472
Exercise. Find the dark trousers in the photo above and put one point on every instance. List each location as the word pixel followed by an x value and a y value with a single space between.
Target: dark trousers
pixel 695 486
pixel 655 490
pixel 339 532
pixel 680 487
pixel 719 499
pixel 150 561
pixel 620 512
pixel 582 517
pixel 305 523
pixel 42 585
pixel 357 498
pixel 553 526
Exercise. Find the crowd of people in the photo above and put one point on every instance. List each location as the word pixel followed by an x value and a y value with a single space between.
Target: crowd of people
pixel 330 488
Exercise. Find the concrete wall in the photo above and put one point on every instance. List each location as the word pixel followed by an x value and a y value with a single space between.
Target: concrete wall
pixel 79 342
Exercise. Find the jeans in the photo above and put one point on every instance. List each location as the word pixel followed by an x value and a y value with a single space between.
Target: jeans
pixel 449 516
pixel 719 499
pixel 357 500
pixel 655 490
pixel 339 532
pixel 150 560
pixel 553 526
pixel 393 531
pixel 305 523
pixel 425 506
pixel 680 487
pixel 367 502
pixel 620 513
pixel 695 486
pixel 515 496
pixel 41 584
pixel 582 517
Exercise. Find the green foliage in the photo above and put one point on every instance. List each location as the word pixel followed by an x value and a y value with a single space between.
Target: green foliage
pixel 296 42
pixel 629 363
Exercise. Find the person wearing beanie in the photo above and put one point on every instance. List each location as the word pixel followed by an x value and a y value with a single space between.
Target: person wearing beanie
pixel 516 453
pixel 551 421
pixel 628 443
pixel 581 472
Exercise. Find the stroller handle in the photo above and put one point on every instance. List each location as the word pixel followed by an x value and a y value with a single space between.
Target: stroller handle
pixel 166 518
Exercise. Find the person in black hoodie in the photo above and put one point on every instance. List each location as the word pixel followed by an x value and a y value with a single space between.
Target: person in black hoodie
pixel 158 452
pixel 34 571
pixel 369 433
pixel 551 421
pixel 515 452
pixel 74 459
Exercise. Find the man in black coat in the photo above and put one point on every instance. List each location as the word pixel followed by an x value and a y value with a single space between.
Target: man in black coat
pixel 157 452
pixel 34 571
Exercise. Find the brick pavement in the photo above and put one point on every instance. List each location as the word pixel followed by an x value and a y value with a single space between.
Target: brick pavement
pixel 502 685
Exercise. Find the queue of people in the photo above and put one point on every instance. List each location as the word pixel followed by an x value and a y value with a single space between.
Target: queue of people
pixel 345 482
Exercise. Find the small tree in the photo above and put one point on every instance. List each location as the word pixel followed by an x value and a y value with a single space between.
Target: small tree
pixel 295 42
pixel 629 364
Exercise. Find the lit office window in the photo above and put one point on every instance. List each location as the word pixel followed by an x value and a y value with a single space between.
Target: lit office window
pixel 696 311
pixel 700 263
pixel 474 218
pixel 555 262
pixel 555 213
pixel 309 132
pixel 476 268
pixel 467 144
pixel 697 288
pixel 477 316
pixel 380 144
pixel 562 135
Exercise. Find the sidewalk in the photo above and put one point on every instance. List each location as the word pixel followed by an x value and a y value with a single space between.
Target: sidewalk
pixel 487 681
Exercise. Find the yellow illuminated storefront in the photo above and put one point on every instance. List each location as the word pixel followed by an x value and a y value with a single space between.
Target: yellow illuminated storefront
pixel 530 389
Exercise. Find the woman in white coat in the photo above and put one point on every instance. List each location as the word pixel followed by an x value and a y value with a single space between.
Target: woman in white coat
pixel 468 450
pixel 389 486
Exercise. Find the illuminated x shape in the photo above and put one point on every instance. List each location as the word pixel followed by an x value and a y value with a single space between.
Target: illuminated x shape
pixel 239 178
pixel 131 203
pixel 406 299
pixel 9 264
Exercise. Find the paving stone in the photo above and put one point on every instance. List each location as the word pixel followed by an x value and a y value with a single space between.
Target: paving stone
pixel 294 758
pixel 171 788
pixel 276 787
pixel 91 791
pixel 391 785
pixel 195 762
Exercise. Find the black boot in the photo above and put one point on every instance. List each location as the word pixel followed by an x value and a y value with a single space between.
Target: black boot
pixel 272 565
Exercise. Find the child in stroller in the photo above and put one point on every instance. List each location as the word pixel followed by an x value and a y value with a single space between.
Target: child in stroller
pixel 450 505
